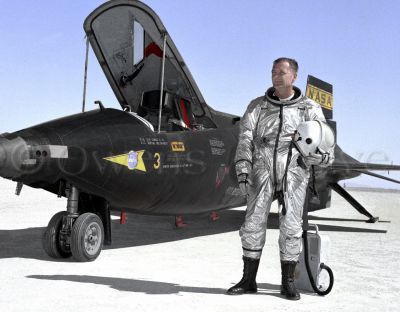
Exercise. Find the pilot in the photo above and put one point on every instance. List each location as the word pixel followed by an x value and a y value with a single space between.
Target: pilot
pixel 269 167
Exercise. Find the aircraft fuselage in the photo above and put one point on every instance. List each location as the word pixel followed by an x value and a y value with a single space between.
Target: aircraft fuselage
pixel 114 155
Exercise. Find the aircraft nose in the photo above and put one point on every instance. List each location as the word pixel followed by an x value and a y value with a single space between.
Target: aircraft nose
pixel 14 154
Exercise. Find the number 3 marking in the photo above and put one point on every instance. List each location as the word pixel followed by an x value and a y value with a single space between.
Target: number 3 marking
pixel 157 163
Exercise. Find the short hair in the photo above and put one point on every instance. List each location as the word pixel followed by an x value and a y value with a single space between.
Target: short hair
pixel 292 63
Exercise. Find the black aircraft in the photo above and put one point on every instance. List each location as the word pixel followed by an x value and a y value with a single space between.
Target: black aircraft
pixel 166 152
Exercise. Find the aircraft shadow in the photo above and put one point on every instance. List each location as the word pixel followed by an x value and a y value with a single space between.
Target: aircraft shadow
pixel 138 231
pixel 141 231
pixel 146 230
pixel 310 217
pixel 151 287
pixel 338 228
pixel 132 285
pixel 154 287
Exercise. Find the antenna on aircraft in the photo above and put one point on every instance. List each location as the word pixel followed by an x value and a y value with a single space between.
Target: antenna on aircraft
pixel 100 104
pixel 391 165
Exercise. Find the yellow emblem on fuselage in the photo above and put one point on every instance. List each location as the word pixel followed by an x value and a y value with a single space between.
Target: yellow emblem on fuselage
pixel 133 160
pixel 177 146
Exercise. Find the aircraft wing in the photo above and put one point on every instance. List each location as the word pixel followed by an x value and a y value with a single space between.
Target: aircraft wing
pixel 344 162
pixel 358 166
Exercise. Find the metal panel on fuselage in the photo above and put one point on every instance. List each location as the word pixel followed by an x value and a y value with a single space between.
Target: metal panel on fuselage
pixel 179 172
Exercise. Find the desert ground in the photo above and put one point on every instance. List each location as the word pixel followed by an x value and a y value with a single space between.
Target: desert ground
pixel 152 266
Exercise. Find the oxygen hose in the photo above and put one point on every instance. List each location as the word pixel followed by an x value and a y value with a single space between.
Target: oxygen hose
pixel 322 266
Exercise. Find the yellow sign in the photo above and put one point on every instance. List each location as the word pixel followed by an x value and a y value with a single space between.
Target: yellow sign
pixel 133 160
pixel 177 146
pixel 325 99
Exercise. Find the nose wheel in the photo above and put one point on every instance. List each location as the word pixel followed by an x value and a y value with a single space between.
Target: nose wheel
pixel 87 237
pixel 84 242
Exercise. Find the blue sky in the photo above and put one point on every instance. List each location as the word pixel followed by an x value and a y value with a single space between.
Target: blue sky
pixel 229 47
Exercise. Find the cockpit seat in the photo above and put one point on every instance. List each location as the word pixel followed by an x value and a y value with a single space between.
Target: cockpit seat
pixel 177 114
pixel 149 108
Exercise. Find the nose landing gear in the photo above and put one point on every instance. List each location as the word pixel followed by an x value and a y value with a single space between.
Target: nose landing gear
pixel 70 234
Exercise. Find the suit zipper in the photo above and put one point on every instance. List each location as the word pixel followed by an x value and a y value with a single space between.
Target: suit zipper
pixel 277 143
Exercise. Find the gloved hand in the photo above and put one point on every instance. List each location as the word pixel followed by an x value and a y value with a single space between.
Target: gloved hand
pixel 317 159
pixel 243 184
pixel 244 187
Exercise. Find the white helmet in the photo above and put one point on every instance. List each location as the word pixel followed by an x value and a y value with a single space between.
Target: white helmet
pixel 314 136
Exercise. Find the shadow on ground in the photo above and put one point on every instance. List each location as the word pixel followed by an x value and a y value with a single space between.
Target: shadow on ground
pixel 132 285
pixel 151 287
pixel 342 219
pixel 139 230
pixel 146 230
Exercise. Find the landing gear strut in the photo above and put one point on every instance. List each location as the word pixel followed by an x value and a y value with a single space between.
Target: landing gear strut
pixel 352 201
pixel 69 233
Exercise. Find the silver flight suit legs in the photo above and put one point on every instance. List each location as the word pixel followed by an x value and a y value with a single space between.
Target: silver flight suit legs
pixel 253 230
pixel 290 224
pixel 259 202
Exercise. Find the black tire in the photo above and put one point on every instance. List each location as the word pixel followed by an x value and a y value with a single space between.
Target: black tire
pixel 87 237
pixel 51 242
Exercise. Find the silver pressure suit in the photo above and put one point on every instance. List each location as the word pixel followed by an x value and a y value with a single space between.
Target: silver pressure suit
pixel 265 138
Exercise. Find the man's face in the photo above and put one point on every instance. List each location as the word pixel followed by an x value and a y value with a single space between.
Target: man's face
pixel 283 76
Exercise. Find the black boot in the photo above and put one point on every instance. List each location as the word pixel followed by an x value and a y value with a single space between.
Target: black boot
pixel 247 284
pixel 288 288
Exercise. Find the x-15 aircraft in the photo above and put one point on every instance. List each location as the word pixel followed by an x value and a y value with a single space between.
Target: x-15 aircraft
pixel 166 152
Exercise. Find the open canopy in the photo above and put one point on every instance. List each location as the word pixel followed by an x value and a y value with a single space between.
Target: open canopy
pixel 127 38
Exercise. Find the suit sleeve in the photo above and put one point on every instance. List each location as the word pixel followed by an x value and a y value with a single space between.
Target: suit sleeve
pixel 314 111
pixel 247 131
